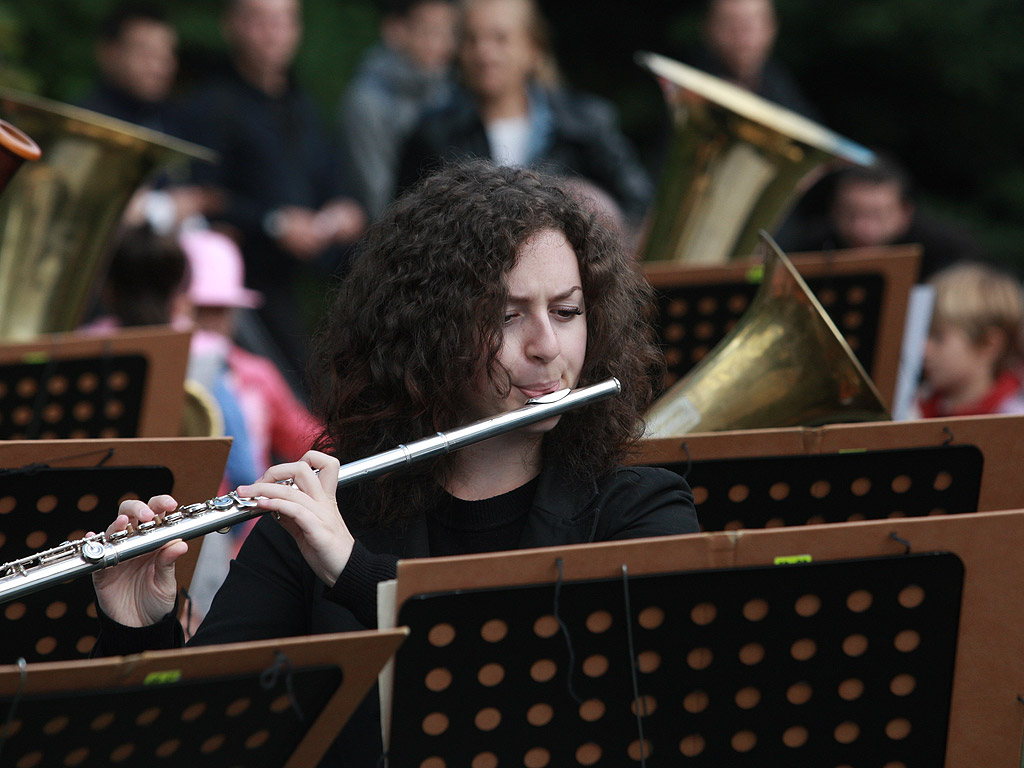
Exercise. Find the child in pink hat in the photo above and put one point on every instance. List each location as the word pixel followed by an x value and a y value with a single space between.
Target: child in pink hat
pixel 275 425
pixel 279 426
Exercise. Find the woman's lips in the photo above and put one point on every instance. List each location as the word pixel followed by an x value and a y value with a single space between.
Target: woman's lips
pixel 537 390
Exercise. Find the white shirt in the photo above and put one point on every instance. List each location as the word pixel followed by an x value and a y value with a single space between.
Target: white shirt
pixel 509 138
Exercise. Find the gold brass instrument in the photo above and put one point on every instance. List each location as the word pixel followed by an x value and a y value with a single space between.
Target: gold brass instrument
pixel 58 215
pixel 201 415
pixel 15 148
pixel 77 558
pixel 783 364
pixel 735 165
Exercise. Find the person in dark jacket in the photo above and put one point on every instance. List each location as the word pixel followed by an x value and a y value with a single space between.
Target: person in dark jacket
pixel 479 289
pixel 513 109
pixel 286 197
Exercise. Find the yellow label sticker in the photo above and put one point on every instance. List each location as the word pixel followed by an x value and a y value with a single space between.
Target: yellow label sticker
pixel 163 678
pixel 793 559
pixel 755 274
pixel 853 450
pixel 35 357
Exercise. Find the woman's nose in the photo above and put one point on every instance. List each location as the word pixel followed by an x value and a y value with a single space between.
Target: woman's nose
pixel 541 340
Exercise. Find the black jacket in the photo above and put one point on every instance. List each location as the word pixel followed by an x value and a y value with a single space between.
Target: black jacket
pixel 585 140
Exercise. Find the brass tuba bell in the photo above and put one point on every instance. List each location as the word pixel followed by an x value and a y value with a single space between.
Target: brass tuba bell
pixel 735 165
pixel 784 364
pixel 58 215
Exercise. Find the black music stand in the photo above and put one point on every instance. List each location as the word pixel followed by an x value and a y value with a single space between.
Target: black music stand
pixel 996 438
pixel 126 384
pixel 739 667
pixel 265 704
pixel 42 505
pixel 40 508
pixel 881 635
pixel 771 491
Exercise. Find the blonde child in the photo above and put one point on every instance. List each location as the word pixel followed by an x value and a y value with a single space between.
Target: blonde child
pixel 973 354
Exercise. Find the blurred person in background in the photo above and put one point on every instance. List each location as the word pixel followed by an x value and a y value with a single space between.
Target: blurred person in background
pixel 512 109
pixel 279 427
pixel 268 422
pixel 738 39
pixel 874 206
pixel 145 283
pixel 137 55
pixel 286 197
pixel 973 356
pixel 407 72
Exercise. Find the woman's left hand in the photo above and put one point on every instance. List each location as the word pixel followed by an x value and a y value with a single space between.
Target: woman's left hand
pixel 308 510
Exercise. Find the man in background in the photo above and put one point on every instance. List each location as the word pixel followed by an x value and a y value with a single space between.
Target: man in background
pixel 137 55
pixel 874 206
pixel 286 200
pixel 739 36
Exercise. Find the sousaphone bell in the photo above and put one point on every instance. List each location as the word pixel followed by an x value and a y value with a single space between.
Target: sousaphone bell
pixel 58 215
pixel 735 165
pixel 783 364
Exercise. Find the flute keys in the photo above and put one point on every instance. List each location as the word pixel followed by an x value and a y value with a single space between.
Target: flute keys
pixel 92 551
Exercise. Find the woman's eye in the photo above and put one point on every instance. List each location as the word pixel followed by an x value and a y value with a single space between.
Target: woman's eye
pixel 568 312
pixel 509 317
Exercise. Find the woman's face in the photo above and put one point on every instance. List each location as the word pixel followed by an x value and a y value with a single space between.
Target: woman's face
pixel 545 328
pixel 497 54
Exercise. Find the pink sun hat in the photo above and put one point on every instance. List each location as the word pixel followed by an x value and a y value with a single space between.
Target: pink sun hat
pixel 217 271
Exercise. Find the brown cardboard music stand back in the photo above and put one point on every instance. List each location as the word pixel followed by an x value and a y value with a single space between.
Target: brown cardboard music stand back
pixel 128 383
pixel 888 642
pixel 864 290
pixel 264 704
pixel 58 490
pixel 799 475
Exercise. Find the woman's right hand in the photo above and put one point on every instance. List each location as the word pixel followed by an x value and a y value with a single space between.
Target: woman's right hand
pixel 140 591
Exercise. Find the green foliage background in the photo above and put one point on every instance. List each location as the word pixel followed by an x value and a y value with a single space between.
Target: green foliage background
pixel 937 83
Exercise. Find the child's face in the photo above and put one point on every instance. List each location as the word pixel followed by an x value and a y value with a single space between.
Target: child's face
pixel 953 362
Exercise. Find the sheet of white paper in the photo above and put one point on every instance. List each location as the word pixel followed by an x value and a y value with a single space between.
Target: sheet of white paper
pixel 386 618
pixel 915 333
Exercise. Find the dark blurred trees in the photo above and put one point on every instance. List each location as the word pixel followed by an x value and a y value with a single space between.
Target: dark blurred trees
pixel 935 84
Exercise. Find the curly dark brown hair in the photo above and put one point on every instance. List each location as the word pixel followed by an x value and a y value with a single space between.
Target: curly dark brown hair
pixel 427 291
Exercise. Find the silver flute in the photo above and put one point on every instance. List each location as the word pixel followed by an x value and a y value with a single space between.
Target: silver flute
pixel 92 553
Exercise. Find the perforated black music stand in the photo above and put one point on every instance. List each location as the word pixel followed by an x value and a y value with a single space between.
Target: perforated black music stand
pixel 769 491
pixel 864 291
pixel 44 503
pixel 845 472
pixel 124 384
pixel 758 666
pixel 40 508
pixel 860 654
pixel 270 703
